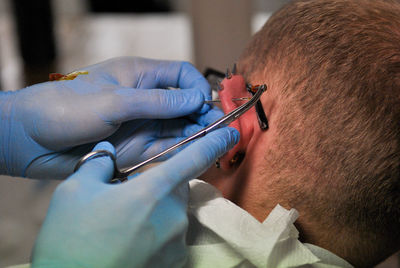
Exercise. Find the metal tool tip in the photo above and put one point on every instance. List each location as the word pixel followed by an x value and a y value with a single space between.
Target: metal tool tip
pixel 249 87
pixel 234 69
pixel 228 74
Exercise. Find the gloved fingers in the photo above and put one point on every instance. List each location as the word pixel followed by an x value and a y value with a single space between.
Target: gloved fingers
pixel 129 131
pixel 162 144
pixel 176 74
pixel 98 169
pixel 186 165
pixel 132 104
pixel 207 118
pixel 130 154
pixel 145 73
pixel 134 175
pixel 56 165
pixel 139 140
pixel 152 129
pixel 177 128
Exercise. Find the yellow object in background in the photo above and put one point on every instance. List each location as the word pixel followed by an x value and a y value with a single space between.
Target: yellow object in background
pixel 69 76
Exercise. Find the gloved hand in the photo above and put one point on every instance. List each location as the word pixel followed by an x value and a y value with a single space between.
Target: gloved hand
pixel 141 222
pixel 47 127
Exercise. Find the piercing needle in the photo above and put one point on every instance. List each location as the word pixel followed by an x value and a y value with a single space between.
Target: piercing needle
pixel 234 99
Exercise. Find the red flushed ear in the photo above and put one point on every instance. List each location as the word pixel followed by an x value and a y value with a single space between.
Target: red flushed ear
pixel 234 86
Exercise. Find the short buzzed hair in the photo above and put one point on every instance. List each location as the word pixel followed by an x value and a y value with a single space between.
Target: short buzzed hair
pixel 339 120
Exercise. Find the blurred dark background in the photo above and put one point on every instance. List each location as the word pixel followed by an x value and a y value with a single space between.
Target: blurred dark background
pixel 37 34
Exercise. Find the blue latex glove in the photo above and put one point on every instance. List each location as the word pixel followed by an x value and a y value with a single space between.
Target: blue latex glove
pixel 142 222
pixel 47 127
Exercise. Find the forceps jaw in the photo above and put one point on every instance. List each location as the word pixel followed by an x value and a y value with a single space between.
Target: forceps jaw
pixel 261 117
pixel 120 176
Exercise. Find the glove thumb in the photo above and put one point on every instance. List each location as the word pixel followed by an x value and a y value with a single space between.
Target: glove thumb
pixel 187 164
pixel 98 169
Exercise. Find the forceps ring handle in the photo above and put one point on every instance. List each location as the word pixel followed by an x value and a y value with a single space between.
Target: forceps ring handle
pixel 117 177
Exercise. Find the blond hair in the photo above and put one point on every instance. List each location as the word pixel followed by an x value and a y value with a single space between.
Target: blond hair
pixel 339 121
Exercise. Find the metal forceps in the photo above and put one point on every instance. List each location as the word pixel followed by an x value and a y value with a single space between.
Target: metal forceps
pixel 122 175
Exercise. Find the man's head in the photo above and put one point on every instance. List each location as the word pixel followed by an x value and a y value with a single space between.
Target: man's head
pixel 333 102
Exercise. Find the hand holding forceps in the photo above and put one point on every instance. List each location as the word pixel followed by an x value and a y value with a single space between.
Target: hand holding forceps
pixel 121 175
